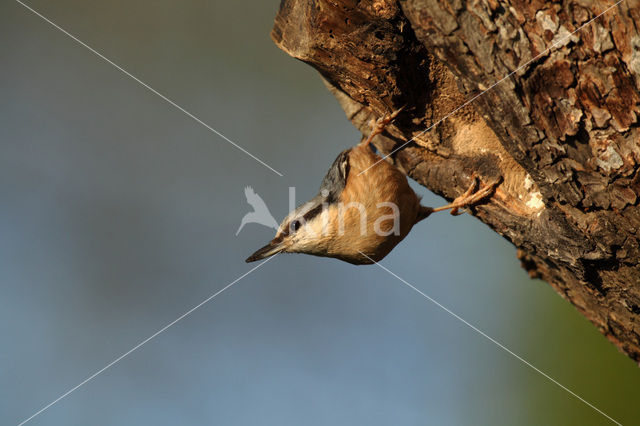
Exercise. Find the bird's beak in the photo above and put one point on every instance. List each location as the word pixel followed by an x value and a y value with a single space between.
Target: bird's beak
pixel 274 247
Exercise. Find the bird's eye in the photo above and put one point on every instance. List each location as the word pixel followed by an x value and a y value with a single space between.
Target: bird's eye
pixel 296 225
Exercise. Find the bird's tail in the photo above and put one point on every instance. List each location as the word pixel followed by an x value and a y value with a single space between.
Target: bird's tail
pixel 423 213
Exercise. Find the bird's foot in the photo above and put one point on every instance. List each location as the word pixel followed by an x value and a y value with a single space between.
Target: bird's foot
pixel 378 126
pixel 472 196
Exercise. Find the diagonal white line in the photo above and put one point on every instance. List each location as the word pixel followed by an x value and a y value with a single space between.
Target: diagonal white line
pixel 544 52
pixel 145 85
pixel 492 340
pixel 142 343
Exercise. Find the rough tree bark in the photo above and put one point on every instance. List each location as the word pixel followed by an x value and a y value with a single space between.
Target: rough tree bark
pixel 562 129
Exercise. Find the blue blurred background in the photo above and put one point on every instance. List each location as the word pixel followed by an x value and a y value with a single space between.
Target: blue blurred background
pixel 118 213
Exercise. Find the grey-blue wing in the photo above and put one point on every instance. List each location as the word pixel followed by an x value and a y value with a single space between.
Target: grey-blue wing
pixel 336 178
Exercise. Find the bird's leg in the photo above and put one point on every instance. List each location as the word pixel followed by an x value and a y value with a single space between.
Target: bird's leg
pixel 471 196
pixel 378 126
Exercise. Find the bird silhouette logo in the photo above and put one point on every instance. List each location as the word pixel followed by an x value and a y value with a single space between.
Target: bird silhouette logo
pixel 260 213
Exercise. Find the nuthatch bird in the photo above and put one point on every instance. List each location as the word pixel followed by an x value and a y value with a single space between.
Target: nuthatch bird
pixel 361 212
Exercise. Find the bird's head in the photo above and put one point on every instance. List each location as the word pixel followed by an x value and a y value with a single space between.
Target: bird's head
pixel 304 230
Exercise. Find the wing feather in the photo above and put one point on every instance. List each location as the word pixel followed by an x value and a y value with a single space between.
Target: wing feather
pixel 336 178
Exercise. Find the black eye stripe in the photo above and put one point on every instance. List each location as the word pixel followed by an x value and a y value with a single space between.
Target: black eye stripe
pixel 313 212
pixel 295 224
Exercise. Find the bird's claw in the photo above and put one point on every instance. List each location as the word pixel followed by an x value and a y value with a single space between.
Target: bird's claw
pixel 472 195
pixel 378 126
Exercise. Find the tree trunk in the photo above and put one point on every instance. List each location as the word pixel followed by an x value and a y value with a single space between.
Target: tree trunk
pixel 505 88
